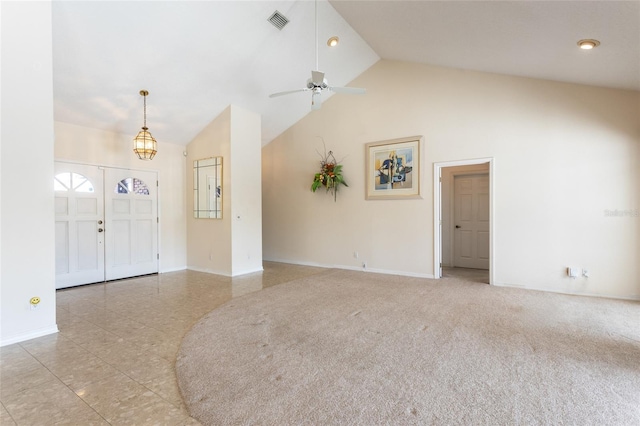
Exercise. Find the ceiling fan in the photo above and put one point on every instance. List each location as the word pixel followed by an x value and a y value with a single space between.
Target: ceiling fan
pixel 317 83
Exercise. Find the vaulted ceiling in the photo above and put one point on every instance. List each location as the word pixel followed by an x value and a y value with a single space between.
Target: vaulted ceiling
pixel 197 57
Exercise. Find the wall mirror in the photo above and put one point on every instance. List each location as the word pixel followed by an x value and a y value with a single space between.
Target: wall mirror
pixel 207 188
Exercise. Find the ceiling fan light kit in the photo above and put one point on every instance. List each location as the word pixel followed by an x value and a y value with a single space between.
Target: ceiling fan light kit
pixel 317 83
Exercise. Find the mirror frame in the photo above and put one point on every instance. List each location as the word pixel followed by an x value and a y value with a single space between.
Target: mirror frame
pixel 207 201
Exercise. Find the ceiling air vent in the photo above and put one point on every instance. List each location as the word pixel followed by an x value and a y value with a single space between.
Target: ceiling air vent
pixel 278 20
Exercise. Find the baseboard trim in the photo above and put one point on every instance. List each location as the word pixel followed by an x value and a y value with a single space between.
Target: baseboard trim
pixel 207 271
pixel 180 268
pixel 248 271
pixel 568 293
pixel 354 268
pixel 224 274
pixel 30 335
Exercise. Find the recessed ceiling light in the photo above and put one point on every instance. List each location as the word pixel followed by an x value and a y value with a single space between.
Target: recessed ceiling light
pixel 588 44
pixel 333 41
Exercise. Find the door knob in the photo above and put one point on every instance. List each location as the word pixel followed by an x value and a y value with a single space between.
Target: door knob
pixel 100 229
pixel 458 226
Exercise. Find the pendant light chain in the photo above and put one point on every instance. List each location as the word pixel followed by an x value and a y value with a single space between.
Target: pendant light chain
pixel 144 97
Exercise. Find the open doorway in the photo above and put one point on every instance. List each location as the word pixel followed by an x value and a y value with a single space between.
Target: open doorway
pixel 463 212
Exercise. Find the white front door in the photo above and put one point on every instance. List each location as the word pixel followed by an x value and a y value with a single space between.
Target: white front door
pixel 471 220
pixel 106 223
pixel 131 223
pixel 79 224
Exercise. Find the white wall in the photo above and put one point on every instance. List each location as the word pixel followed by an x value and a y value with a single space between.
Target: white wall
pixel 99 147
pixel 563 155
pixel 26 218
pixel 246 191
pixel 232 245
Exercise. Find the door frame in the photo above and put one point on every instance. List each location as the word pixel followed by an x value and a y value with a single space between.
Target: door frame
pixel 437 212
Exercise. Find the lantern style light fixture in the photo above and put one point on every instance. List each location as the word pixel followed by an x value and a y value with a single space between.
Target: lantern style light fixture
pixel 144 144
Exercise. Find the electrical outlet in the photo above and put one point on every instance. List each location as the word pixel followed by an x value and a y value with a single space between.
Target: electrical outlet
pixel 573 272
pixel 33 302
pixel 585 273
pixel 355 254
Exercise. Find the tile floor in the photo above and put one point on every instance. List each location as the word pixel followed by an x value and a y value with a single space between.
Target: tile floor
pixel 113 360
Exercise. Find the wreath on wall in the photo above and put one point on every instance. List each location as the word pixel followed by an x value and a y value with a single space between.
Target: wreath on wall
pixel 330 175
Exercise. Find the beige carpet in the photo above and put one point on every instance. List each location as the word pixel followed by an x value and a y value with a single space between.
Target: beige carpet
pixel 346 347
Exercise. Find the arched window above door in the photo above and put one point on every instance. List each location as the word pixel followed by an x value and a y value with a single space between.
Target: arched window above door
pixel 74 182
pixel 132 185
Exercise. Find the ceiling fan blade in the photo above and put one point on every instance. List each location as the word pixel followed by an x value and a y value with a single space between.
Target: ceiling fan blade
pixel 350 90
pixel 273 95
pixel 317 77
pixel 316 100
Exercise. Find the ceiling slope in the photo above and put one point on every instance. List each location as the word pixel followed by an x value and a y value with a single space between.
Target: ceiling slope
pixel 197 57
pixel 535 39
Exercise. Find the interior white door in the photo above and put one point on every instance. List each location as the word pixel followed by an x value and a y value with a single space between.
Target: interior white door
pixel 131 219
pixel 471 220
pixel 79 227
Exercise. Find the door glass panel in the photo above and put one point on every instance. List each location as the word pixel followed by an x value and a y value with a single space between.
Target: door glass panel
pixel 62 182
pixel 81 183
pixel 132 186
pixel 72 181
pixel 84 187
pixel 59 186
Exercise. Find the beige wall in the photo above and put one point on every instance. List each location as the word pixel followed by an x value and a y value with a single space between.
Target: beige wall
pixel 209 240
pixel 563 155
pixel 98 147
pixel 231 245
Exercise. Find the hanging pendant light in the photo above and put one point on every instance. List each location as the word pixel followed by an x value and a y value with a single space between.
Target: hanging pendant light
pixel 144 144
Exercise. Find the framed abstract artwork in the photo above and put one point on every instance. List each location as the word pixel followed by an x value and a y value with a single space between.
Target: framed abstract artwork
pixel 393 168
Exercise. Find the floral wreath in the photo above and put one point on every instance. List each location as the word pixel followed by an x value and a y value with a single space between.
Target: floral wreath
pixel 330 175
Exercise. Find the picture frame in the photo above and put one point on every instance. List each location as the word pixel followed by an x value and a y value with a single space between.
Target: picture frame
pixel 393 168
